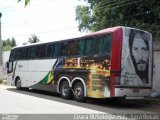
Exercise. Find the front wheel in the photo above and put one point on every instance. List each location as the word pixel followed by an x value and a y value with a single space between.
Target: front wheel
pixel 18 84
pixel 79 92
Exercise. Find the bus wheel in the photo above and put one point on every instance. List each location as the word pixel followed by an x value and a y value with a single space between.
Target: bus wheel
pixel 18 84
pixel 65 90
pixel 79 92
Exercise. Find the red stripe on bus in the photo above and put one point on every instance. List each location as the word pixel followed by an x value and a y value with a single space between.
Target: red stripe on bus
pixel 115 58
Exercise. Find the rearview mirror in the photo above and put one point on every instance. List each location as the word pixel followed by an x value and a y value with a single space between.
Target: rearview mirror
pixel 9 67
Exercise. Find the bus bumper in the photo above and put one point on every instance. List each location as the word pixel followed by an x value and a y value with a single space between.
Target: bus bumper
pixel 132 93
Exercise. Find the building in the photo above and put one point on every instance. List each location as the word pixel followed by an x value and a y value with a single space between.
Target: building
pixel 3 69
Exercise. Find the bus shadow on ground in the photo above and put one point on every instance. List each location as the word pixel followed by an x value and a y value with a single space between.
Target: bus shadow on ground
pixel 112 106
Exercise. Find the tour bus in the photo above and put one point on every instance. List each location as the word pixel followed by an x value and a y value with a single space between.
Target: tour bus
pixel 110 63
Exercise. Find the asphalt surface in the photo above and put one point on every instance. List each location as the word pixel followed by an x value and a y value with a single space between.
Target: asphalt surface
pixel 37 105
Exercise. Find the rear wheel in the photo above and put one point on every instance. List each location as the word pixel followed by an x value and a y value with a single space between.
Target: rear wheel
pixel 65 90
pixel 79 92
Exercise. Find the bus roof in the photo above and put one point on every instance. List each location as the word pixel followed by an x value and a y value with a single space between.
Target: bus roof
pixel 101 32
pixel 107 30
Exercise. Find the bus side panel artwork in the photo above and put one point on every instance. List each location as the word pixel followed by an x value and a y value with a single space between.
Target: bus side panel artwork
pixel 95 71
pixel 136 64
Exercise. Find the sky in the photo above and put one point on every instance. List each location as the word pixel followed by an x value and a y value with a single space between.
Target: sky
pixel 50 20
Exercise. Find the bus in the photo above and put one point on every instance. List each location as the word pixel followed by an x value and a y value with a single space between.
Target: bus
pixel 111 63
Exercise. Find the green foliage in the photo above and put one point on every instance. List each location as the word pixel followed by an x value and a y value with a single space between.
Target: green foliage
pixel 33 39
pixel 24 43
pixel 26 2
pixel 8 44
pixel 84 16
pixel 142 14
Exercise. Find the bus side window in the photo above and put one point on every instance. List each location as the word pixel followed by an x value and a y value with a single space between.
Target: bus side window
pixel 103 45
pixel 19 53
pixel 22 53
pixel 100 41
pixel 81 46
pixel 71 48
pixel 56 50
pixel 89 47
pixel 49 50
pixel 98 46
pixel 106 47
pixel 76 49
pixel 33 52
pixel 107 43
pixel 63 51
pixel 40 51
pixel 27 53
pixel 13 54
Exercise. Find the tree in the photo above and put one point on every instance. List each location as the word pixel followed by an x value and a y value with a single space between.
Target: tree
pixel 8 44
pixel 24 43
pixel 84 17
pixel 33 39
pixel 26 2
pixel 107 13
pixel 13 42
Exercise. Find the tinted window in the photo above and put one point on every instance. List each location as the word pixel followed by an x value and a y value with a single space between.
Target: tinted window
pixel 64 48
pixel 56 50
pixel 22 53
pixel 98 45
pixel 107 44
pixel 33 52
pixel 19 53
pixel 40 51
pixel 27 53
pixel 50 50
pixel 71 50
pixel 81 46
pixel 89 46
pixel 103 45
pixel 13 54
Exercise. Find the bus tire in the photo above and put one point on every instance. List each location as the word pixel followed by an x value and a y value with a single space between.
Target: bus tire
pixel 78 89
pixel 65 90
pixel 18 84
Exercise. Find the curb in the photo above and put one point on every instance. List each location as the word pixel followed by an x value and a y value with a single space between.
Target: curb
pixel 154 100
pixel 148 100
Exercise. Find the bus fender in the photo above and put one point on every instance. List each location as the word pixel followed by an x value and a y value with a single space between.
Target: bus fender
pixel 80 79
pixel 61 79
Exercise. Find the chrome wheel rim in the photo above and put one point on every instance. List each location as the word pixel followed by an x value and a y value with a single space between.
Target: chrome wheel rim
pixel 65 90
pixel 78 92
pixel 18 83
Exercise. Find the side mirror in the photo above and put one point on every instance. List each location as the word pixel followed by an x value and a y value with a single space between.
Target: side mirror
pixel 9 67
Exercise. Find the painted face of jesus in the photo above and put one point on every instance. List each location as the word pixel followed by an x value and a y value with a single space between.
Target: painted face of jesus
pixel 140 53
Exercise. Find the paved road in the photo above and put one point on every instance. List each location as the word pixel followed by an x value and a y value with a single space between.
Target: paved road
pixel 14 101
